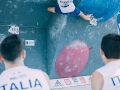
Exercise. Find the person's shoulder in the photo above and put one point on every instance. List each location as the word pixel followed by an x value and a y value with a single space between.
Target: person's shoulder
pixel 96 74
pixel 40 72
pixel 35 70
pixel 97 81
pixel 3 78
pixel 101 69
pixel 0 77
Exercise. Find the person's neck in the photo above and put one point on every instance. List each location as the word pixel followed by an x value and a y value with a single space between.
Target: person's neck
pixel 110 60
pixel 13 65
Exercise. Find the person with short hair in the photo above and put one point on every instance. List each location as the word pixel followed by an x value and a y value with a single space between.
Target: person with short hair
pixel 67 7
pixel 108 76
pixel 17 76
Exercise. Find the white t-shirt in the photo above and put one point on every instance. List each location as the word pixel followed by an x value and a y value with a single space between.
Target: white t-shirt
pixel 111 75
pixel 23 78
pixel 66 6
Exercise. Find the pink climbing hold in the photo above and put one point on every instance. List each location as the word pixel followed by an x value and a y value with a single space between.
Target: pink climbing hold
pixel 72 59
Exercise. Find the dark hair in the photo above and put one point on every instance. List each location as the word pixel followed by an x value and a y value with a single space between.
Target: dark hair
pixel 111 46
pixel 11 48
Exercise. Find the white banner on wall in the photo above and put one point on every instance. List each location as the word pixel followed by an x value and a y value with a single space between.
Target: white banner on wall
pixel 13 29
pixel 71 82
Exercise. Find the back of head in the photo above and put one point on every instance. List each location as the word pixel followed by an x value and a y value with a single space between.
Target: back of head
pixel 11 48
pixel 110 45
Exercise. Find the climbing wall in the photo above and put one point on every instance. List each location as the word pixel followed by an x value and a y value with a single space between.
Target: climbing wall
pixel 53 32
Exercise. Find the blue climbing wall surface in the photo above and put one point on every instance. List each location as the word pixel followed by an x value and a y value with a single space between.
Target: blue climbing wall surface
pixel 52 32
pixel 32 18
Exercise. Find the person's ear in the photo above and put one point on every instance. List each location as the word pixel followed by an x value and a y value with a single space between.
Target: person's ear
pixel 23 54
pixel 101 52
pixel 1 58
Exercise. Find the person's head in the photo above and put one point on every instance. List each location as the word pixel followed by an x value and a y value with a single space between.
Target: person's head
pixel 110 46
pixel 11 49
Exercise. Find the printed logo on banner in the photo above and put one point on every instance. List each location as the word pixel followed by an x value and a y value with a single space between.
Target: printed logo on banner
pixel 82 80
pixel 67 81
pixel 58 84
pixel 29 42
pixel 75 80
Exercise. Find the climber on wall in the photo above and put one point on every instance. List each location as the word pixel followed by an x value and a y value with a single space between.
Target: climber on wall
pixel 67 7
